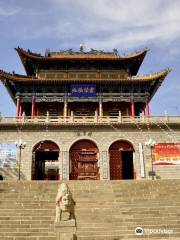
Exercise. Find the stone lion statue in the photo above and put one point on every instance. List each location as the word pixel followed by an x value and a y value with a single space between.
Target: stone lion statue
pixel 64 204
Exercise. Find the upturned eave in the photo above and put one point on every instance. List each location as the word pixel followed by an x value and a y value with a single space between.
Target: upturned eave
pixel 27 58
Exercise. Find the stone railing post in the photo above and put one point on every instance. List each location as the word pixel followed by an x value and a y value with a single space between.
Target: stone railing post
pixel 23 117
pixel 143 118
pixel 47 117
pixel 72 116
pixel 120 117
pixel 96 117
pixel 166 117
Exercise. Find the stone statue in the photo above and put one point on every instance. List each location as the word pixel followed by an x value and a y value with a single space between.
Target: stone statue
pixel 64 204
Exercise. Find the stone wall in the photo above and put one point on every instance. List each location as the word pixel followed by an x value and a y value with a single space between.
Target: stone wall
pixel 103 136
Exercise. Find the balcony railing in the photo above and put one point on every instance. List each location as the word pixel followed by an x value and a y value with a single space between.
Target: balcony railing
pixel 105 120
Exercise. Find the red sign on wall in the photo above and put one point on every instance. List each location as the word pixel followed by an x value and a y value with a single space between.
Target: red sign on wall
pixel 166 154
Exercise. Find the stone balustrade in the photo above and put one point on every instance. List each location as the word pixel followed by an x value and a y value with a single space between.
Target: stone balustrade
pixel 104 120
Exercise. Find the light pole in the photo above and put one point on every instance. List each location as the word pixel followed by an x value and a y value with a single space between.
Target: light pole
pixel 20 145
pixel 150 144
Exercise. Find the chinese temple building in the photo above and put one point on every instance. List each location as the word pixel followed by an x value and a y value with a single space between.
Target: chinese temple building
pixel 82 84
pixel 85 115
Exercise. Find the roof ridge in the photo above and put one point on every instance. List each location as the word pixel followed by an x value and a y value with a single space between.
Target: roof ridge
pixel 93 52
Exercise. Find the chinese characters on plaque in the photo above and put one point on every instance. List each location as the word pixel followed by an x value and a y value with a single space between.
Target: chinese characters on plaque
pixel 83 90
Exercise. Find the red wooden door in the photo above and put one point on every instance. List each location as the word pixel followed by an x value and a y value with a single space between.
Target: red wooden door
pixel 84 161
pixel 115 165
pixel 74 157
pixel 84 165
pixel 116 158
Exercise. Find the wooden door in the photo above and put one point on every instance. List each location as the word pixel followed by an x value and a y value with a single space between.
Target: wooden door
pixel 84 165
pixel 115 165
pixel 119 154
pixel 74 157
pixel 84 160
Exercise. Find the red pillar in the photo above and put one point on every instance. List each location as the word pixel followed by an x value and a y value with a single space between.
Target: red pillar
pixel 147 111
pixel 33 107
pixel 17 106
pixel 35 110
pixel 132 107
pixel 20 109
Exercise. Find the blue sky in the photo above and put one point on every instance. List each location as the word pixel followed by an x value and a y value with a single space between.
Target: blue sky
pixel 101 24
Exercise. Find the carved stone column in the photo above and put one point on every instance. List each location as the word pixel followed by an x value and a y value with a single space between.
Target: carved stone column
pixel 105 165
pixel 141 161
pixel 64 165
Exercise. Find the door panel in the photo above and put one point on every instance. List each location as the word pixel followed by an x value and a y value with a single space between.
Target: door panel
pixel 121 160
pixel 84 160
pixel 84 165
pixel 115 165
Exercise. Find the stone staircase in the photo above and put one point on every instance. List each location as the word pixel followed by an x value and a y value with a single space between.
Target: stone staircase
pixel 109 210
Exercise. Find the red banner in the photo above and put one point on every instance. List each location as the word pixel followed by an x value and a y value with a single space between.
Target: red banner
pixel 166 154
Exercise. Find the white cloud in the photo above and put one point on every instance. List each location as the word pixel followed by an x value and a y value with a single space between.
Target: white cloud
pixel 113 23
pixel 98 23
pixel 101 24
pixel 6 12
pixel 174 52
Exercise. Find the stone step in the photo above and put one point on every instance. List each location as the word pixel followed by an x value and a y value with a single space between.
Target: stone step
pixel 24 234
pixel 112 235
pixel 124 237
pixel 28 238
pixel 104 209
